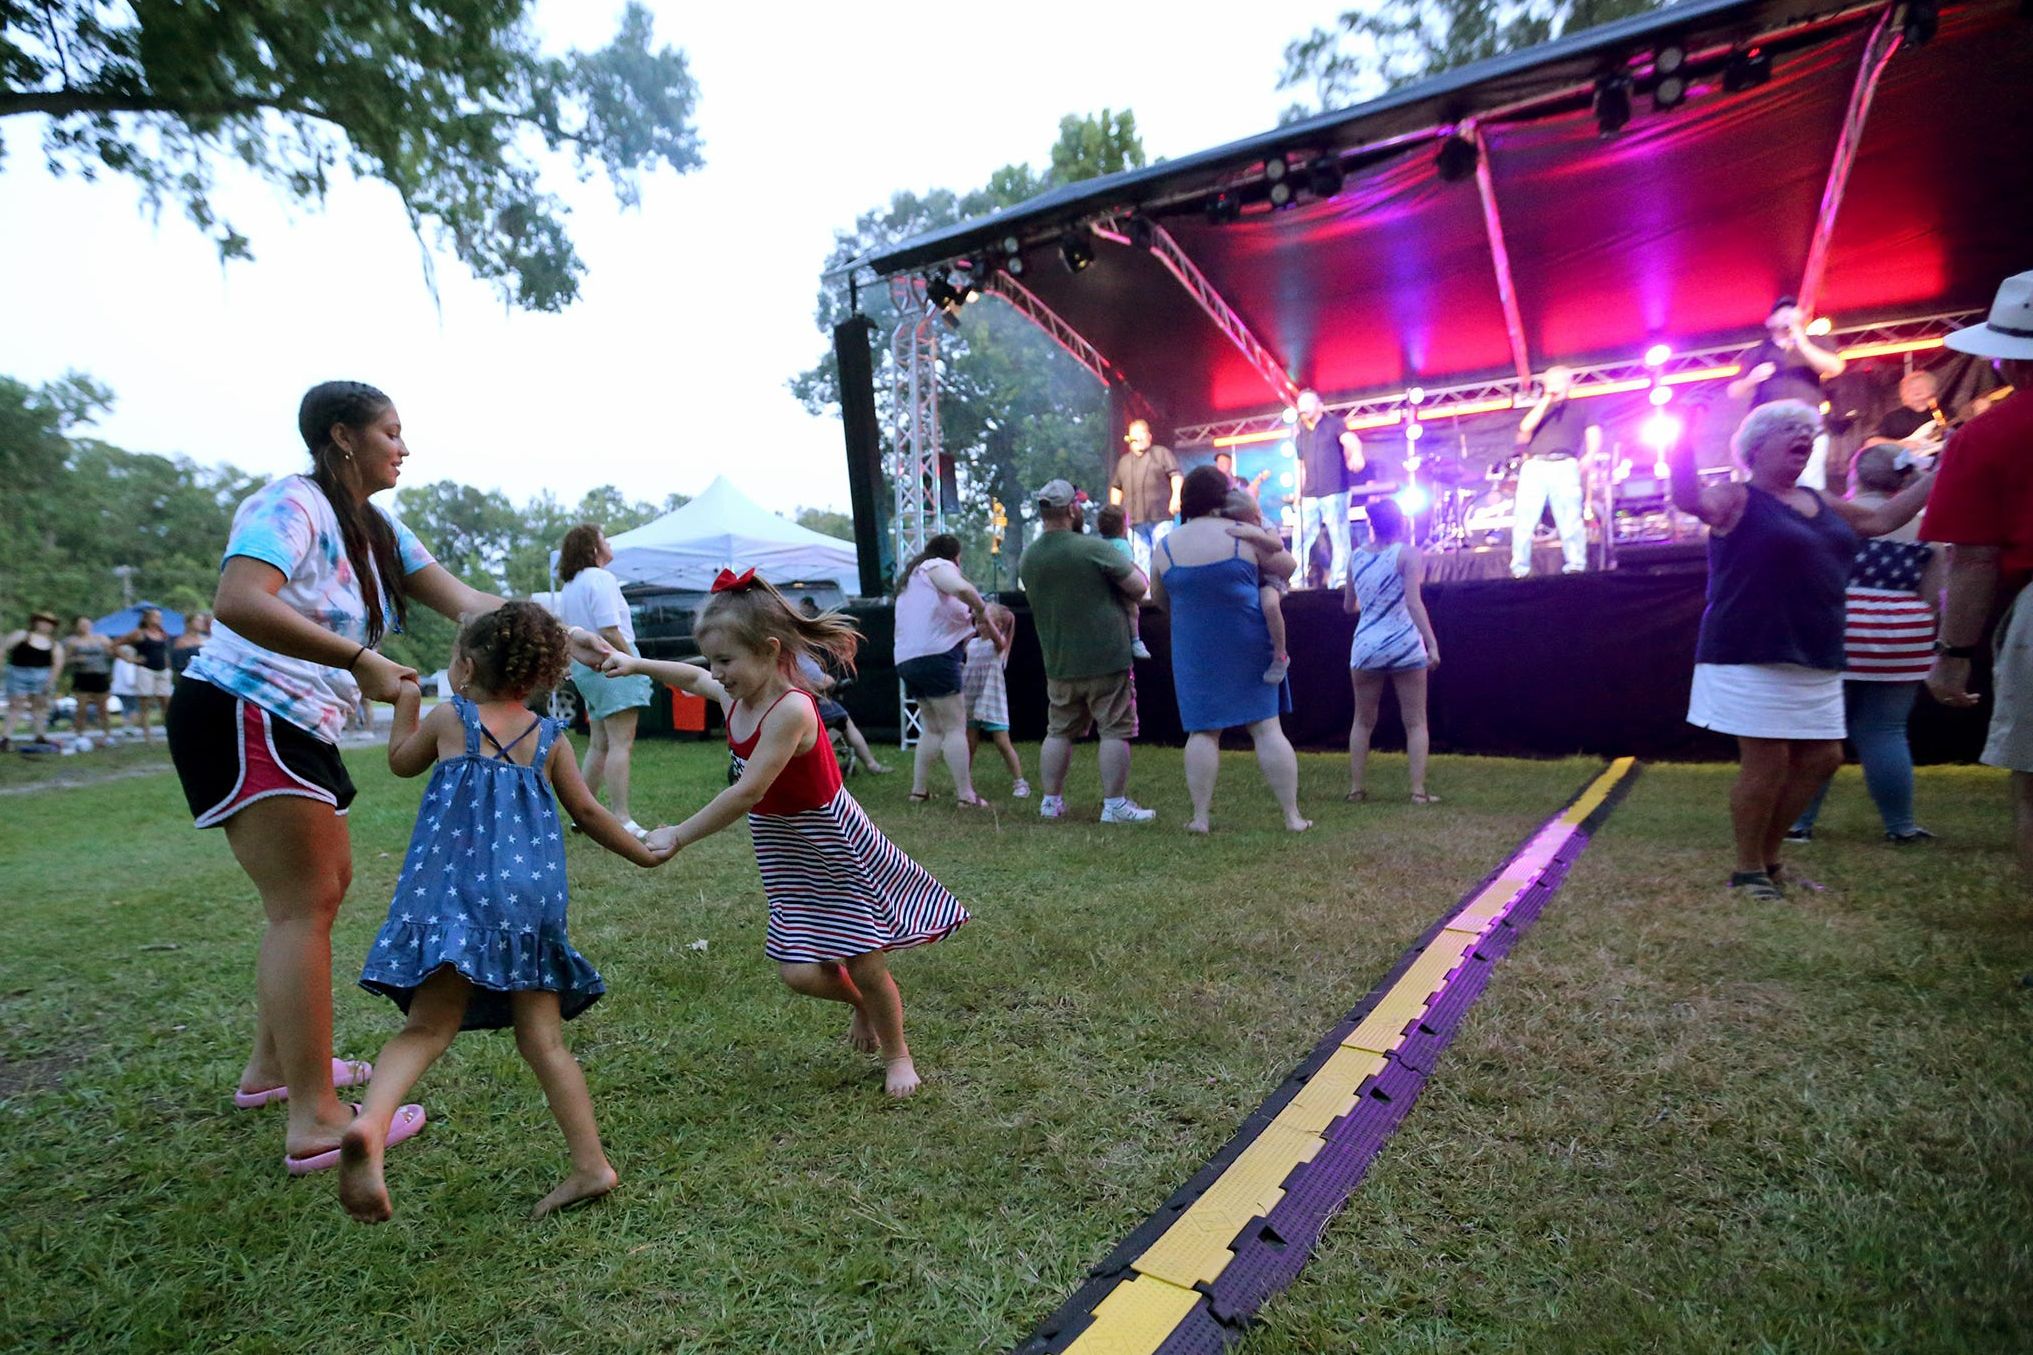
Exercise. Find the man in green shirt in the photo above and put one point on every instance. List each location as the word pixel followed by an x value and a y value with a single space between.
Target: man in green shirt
pixel 1081 589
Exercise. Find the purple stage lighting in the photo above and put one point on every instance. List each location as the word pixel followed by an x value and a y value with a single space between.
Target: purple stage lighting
pixel 1656 355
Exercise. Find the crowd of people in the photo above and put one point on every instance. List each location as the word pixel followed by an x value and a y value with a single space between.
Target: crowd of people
pixel 475 937
pixel 136 669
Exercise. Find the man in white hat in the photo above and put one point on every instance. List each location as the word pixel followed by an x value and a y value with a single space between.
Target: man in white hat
pixel 1982 504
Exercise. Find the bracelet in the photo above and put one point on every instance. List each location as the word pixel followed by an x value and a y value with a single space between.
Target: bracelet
pixel 356 658
pixel 1949 651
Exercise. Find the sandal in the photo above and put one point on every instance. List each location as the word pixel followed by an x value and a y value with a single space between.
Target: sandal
pixel 345 1073
pixel 918 797
pixel 976 803
pixel 1424 799
pixel 408 1119
pixel 1757 885
pixel 1356 797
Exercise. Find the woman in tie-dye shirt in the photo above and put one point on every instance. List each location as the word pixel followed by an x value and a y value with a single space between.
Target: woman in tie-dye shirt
pixel 315 575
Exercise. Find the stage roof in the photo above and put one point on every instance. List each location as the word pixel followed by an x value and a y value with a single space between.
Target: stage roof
pixel 1682 227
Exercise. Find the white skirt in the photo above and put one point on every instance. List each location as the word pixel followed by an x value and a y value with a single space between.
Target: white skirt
pixel 1767 701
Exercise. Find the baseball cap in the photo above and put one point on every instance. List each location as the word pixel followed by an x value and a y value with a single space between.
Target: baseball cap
pixel 1056 494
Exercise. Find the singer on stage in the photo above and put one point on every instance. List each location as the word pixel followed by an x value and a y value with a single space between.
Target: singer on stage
pixel 1551 441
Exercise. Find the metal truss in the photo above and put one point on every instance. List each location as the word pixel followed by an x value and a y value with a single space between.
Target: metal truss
pixel 1884 41
pixel 1499 252
pixel 915 442
pixel 1181 266
pixel 1026 304
pixel 1716 363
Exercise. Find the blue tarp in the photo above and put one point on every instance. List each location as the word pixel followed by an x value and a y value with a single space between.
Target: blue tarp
pixel 125 620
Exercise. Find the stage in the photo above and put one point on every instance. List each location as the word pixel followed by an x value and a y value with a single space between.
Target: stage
pixel 1549 666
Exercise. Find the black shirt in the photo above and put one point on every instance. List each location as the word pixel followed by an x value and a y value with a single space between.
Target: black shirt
pixel 1320 454
pixel 1562 432
pixel 1793 376
pixel 1903 423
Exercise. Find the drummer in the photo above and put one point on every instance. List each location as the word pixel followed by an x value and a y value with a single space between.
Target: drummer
pixel 1555 434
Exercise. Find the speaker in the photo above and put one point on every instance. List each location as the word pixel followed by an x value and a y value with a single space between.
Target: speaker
pixel 855 365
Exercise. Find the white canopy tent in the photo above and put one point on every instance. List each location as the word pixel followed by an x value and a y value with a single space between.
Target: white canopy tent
pixel 724 528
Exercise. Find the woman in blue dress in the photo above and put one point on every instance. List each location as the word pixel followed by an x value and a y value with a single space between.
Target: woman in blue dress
pixel 1394 643
pixel 1206 574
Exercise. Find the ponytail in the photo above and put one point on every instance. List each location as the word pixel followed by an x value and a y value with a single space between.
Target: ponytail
pixel 365 529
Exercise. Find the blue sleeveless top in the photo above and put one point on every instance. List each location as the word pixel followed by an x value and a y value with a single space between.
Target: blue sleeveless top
pixel 1775 586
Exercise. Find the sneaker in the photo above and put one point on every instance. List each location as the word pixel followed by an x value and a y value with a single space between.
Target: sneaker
pixel 1279 667
pixel 1912 839
pixel 1139 650
pixel 1052 807
pixel 1799 835
pixel 1021 790
pixel 1126 810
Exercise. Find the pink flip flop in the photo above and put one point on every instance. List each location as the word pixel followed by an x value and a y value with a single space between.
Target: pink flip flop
pixel 408 1119
pixel 345 1073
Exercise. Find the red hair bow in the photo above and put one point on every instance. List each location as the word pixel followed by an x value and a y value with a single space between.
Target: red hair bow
pixel 727 581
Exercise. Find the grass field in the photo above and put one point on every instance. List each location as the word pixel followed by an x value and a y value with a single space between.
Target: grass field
pixel 1675 1121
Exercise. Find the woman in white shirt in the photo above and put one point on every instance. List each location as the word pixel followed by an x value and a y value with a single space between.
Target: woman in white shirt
pixel 935 614
pixel 592 601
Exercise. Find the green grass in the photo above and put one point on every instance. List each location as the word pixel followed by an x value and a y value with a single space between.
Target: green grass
pixel 1674 1122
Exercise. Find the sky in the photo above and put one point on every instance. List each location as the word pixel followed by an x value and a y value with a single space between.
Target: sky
pixel 697 306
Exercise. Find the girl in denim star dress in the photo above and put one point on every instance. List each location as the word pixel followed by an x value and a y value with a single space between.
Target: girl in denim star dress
pixel 475 937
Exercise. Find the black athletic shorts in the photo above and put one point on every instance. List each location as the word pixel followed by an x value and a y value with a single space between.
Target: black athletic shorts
pixel 930 676
pixel 91 684
pixel 230 752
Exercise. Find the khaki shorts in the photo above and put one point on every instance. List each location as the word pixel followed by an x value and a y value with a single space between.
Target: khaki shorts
pixel 2011 740
pixel 1110 701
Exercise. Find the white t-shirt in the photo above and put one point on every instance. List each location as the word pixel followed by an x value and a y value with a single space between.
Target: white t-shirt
pixel 290 524
pixel 929 621
pixel 592 601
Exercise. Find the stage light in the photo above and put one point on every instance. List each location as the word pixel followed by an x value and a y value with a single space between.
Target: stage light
pixel 944 297
pixel 1660 470
pixel 1290 415
pixel 1288 449
pixel 1660 432
pixel 1281 194
pixel 1612 103
pixel 1076 250
pixel 1746 69
pixel 1656 355
pixel 1285 480
pixel 1413 432
pixel 1324 177
pixel 1820 325
pixel 1010 244
pixel 1922 17
pixel 1274 168
pixel 1668 58
pixel 1014 265
pixel 1413 499
pixel 1660 395
pixel 1456 160
pixel 1416 395
pixel 1012 256
pixel 1223 208
pixel 1669 91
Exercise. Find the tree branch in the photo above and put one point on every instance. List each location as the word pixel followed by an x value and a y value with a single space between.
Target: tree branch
pixel 61 103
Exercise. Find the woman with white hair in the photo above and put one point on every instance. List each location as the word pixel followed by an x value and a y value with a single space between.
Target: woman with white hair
pixel 1769 662
pixel 1888 640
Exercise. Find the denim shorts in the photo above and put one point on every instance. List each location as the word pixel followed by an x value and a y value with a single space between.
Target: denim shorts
pixel 605 696
pixel 28 681
pixel 930 676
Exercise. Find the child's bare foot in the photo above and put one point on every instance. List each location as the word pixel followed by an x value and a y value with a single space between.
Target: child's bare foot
pixel 1198 826
pixel 361 1188
pixel 899 1077
pixel 1298 825
pixel 577 1188
pixel 861 1035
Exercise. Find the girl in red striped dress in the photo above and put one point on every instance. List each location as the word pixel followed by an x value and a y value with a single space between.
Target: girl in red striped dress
pixel 841 895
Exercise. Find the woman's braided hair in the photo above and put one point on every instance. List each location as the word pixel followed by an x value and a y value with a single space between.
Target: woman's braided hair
pixel 369 539
pixel 516 649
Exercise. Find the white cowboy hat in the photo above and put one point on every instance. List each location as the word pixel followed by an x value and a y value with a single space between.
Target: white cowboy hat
pixel 2010 331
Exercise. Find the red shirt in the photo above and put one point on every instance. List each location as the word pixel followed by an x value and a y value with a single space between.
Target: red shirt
pixel 1984 493
pixel 810 780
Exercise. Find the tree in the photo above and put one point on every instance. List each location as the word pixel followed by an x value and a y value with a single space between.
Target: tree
pixel 444 100
pixel 827 522
pixel 1014 410
pixel 1395 42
